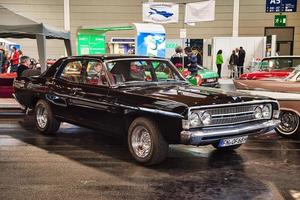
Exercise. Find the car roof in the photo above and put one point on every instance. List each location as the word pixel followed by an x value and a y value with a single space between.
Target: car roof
pixel 105 57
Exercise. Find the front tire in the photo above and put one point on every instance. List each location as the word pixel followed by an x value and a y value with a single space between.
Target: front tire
pixel 44 118
pixel 146 143
pixel 289 126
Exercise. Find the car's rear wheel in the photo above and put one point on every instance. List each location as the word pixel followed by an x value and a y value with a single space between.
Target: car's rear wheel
pixel 228 148
pixel 44 118
pixel 146 143
pixel 289 124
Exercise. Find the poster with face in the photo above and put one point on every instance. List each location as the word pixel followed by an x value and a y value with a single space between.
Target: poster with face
pixel 151 44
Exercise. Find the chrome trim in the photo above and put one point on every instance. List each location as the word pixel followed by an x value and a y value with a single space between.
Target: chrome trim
pixel 234 104
pixel 211 135
pixel 229 114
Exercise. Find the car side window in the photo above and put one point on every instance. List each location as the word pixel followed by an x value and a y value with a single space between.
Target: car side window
pixel 95 73
pixel 72 71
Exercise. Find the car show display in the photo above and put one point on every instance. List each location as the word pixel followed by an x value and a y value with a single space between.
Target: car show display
pixel 287 92
pixel 274 67
pixel 145 100
pixel 204 77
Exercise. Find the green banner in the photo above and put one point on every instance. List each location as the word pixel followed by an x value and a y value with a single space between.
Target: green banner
pixel 90 44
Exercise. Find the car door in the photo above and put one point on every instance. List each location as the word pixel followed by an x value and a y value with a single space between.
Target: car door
pixel 65 87
pixel 92 104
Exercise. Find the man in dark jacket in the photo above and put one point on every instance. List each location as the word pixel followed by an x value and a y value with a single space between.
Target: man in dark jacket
pixel 240 64
pixel 25 61
pixel 2 56
pixel 233 61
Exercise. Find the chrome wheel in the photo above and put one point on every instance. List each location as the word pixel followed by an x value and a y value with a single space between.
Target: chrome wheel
pixel 41 116
pixel 141 141
pixel 289 123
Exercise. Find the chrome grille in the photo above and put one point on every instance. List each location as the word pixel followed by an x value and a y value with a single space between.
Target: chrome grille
pixel 230 115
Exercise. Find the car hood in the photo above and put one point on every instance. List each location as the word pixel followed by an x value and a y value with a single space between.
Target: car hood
pixel 188 96
pixel 205 73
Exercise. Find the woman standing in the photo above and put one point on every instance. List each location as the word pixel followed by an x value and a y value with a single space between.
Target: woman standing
pixel 219 62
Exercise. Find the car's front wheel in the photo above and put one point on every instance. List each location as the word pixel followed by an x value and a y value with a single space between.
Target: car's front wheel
pixel 44 118
pixel 146 143
pixel 289 125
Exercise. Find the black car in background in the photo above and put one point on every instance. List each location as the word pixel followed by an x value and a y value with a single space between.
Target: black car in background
pixel 145 100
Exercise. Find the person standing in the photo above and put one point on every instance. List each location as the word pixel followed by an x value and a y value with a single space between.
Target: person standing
pixel 241 60
pixel 2 56
pixel 187 59
pixel 25 61
pixel 233 64
pixel 219 62
pixel 14 60
pixel 198 52
pixel 177 58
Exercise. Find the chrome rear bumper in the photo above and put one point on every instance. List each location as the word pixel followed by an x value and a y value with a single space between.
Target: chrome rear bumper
pixel 212 135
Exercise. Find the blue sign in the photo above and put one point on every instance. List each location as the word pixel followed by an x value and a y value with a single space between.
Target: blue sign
pixel 281 5
pixel 151 44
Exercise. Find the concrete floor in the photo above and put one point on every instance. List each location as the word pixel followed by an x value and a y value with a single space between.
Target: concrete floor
pixel 79 163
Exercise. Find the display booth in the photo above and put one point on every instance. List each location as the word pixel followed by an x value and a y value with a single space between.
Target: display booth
pixel 13 25
pixel 122 45
pixel 254 47
pixel 149 40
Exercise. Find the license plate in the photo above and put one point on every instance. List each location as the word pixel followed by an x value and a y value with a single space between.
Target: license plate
pixel 233 141
pixel 209 80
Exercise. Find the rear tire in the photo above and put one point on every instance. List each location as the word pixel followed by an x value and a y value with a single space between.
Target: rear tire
pixel 44 118
pixel 228 148
pixel 146 143
pixel 289 126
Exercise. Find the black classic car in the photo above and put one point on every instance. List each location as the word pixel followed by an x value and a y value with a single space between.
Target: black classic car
pixel 145 100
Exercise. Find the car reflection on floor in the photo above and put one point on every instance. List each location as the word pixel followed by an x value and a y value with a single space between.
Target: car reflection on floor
pixel 83 163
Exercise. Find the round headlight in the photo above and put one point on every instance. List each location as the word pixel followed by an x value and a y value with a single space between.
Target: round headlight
pixel 266 112
pixel 205 118
pixel 194 120
pixel 258 113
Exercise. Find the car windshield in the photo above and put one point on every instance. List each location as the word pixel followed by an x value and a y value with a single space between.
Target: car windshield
pixel 125 71
pixel 279 64
pixel 295 73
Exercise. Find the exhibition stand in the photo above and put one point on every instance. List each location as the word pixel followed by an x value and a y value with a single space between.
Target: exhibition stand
pixel 149 39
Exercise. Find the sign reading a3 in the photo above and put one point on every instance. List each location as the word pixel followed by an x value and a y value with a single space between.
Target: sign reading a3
pixel 281 5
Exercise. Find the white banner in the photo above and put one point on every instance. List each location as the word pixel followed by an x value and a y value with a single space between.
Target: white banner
pixel 200 11
pixel 160 12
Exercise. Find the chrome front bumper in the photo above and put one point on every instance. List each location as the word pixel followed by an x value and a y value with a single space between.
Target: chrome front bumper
pixel 212 135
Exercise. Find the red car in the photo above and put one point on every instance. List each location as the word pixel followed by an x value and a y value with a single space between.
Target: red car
pixel 274 67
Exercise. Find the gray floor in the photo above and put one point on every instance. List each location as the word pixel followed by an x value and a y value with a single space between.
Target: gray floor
pixel 79 163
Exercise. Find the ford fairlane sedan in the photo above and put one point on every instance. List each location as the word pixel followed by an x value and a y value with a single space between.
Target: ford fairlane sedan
pixel 145 100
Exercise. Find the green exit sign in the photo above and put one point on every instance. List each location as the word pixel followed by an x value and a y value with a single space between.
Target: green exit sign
pixel 280 21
